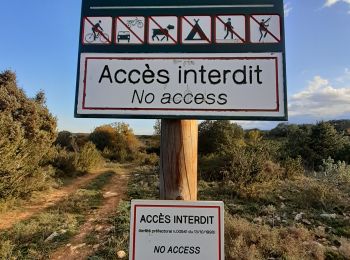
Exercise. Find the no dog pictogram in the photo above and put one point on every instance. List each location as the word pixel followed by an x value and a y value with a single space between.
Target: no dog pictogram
pixel 97 30
pixel 265 28
pixel 196 29
pixel 230 29
pixel 162 30
pixel 130 30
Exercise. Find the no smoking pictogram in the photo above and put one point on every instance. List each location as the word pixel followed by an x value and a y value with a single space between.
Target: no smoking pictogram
pixel 265 28
pixel 196 29
pixel 130 30
pixel 162 30
pixel 97 30
pixel 230 29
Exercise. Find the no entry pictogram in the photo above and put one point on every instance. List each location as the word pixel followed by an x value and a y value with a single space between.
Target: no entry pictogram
pixel 196 29
pixel 230 29
pixel 130 30
pixel 97 30
pixel 162 30
pixel 265 28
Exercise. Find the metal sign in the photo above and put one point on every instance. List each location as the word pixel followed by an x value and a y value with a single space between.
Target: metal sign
pixel 175 230
pixel 176 59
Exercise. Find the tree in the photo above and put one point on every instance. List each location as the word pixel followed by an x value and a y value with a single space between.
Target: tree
pixel 117 141
pixel 157 127
pixel 27 132
pixel 215 135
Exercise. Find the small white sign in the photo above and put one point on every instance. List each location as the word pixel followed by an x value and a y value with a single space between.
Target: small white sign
pixel 265 28
pixel 196 29
pixel 162 30
pixel 173 230
pixel 97 30
pixel 130 30
pixel 230 29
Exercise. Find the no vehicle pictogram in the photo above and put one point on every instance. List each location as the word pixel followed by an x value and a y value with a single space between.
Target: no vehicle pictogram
pixel 162 30
pixel 130 30
pixel 97 30
pixel 196 29
pixel 230 29
pixel 265 28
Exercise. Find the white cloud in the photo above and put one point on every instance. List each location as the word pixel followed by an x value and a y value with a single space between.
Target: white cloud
pixel 287 9
pixel 320 99
pixel 330 3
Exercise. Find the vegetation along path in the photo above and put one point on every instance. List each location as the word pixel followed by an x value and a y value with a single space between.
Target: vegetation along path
pixel 97 227
pixel 8 219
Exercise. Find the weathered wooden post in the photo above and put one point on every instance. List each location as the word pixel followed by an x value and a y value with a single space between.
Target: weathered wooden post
pixel 178 159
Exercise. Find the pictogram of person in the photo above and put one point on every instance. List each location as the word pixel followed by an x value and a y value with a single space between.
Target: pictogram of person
pixel 228 28
pixel 96 29
pixel 263 25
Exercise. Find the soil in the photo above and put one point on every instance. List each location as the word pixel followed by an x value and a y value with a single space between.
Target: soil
pixel 45 200
pixel 97 223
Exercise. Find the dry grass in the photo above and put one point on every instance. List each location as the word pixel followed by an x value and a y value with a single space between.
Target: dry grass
pixel 247 241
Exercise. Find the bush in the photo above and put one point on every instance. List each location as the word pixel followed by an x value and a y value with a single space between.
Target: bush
pixel 215 135
pixel 87 159
pixel 246 241
pixel 335 171
pixel 67 140
pixel 116 142
pixel 27 132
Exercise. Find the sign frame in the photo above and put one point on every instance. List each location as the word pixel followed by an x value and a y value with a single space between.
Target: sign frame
pixel 92 8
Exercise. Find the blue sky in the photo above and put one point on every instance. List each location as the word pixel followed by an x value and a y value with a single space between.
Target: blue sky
pixel 39 41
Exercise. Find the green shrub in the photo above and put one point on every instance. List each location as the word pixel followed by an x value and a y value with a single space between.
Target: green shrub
pixel 335 171
pixel 87 159
pixel 27 131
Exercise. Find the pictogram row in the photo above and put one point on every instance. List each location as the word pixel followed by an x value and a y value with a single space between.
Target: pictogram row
pixel 171 30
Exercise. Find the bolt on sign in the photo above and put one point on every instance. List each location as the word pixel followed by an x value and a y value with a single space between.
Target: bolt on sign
pixel 175 230
pixel 181 59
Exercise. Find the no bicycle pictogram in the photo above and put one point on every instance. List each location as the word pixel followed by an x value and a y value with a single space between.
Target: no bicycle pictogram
pixel 130 30
pixel 196 29
pixel 97 30
pixel 265 28
pixel 230 29
pixel 162 30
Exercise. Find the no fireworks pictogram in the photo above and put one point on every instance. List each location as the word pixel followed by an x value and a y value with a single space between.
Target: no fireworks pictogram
pixel 230 29
pixel 130 30
pixel 162 30
pixel 196 29
pixel 265 28
pixel 97 30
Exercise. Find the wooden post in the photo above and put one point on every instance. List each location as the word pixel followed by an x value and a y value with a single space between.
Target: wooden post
pixel 178 159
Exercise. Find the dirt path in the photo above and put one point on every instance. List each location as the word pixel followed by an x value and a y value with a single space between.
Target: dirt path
pixel 8 219
pixel 97 224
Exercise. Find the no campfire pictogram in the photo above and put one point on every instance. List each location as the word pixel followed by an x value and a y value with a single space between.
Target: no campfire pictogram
pixel 97 30
pixel 265 28
pixel 230 29
pixel 196 29
pixel 162 30
pixel 130 30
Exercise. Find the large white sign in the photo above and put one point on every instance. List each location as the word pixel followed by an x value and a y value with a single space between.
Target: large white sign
pixel 188 84
pixel 173 230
